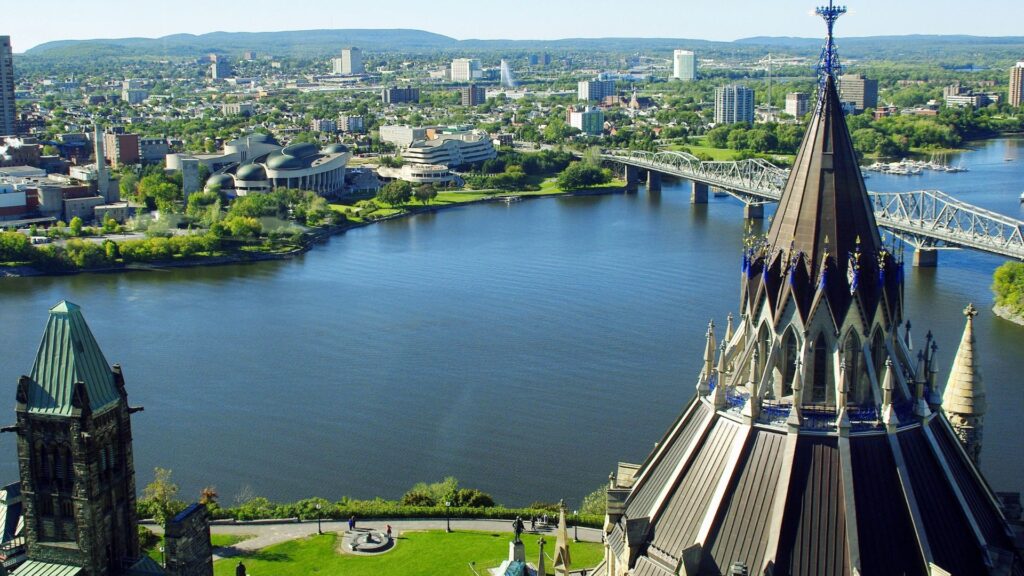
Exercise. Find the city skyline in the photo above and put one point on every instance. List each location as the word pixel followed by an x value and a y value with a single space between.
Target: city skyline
pixel 563 20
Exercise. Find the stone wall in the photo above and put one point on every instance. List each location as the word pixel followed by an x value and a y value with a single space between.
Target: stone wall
pixel 187 543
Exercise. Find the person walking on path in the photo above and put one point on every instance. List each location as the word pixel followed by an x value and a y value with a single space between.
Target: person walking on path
pixel 389 531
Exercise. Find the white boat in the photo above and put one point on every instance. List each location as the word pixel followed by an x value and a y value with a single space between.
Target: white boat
pixel 1022 196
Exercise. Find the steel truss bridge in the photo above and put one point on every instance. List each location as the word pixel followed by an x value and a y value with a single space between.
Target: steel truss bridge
pixel 926 219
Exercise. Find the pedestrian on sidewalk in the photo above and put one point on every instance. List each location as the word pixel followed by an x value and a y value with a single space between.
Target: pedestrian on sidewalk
pixel 389 531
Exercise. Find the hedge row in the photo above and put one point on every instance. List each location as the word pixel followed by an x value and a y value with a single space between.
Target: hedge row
pixel 263 509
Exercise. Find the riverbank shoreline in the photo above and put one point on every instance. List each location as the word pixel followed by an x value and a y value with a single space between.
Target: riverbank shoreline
pixel 310 239
pixel 1005 313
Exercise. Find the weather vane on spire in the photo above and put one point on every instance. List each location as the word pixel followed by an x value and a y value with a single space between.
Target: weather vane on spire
pixel 828 64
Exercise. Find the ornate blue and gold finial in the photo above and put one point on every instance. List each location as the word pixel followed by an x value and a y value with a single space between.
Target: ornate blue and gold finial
pixel 828 63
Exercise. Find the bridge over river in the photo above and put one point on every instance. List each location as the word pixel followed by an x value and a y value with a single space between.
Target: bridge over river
pixel 928 220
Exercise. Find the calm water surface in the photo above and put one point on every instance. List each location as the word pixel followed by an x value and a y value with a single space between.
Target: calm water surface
pixel 524 349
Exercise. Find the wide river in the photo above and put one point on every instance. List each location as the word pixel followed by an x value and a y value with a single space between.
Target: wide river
pixel 524 349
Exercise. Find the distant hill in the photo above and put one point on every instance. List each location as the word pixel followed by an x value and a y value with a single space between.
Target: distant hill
pixel 320 43
pixel 296 42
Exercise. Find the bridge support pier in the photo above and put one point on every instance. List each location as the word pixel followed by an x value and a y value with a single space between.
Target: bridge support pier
pixel 631 174
pixel 698 192
pixel 753 211
pixel 926 258
pixel 653 181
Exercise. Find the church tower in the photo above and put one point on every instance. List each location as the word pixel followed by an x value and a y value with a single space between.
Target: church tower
pixel 75 454
pixel 813 445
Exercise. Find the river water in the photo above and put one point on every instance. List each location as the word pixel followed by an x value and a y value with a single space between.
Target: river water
pixel 524 349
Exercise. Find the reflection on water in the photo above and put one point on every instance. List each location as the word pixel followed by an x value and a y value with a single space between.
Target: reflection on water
pixel 524 349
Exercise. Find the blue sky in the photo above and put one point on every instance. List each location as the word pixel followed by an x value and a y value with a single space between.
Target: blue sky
pixel 30 23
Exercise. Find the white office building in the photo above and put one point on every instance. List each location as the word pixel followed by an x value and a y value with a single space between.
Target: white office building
pixel 684 65
pixel 466 70
pixel 350 62
pixel 734 104
pixel 797 104
pixel 401 135
pixel 457 149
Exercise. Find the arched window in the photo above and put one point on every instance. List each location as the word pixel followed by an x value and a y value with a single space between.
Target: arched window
pixel 856 381
pixel 764 344
pixel 789 347
pixel 878 354
pixel 819 383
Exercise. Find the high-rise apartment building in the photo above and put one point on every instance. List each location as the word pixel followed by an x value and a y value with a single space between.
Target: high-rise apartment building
pixel 7 115
pixel 466 70
pixel 350 62
pixel 589 119
pixel 595 89
pixel 220 67
pixel 796 104
pixel 862 91
pixel 1016 84
pixel 734 104
pixel 400 95
pixel 472 95
pixel 684 65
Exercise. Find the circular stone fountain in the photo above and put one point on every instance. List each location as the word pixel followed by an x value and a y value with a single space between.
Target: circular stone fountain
pixel 367 542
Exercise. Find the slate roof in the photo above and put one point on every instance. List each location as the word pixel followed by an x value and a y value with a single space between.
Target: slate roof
pixel 68 354
pixel 36 568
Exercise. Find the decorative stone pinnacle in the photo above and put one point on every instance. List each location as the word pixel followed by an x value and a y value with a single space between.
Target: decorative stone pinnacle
pixel 970 311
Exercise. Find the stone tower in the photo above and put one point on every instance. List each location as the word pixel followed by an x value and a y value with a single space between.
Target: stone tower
pixel 75 453
pixel 964 398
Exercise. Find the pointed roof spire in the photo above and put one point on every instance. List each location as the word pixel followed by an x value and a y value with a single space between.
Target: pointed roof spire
pixel 562 563
pixel 965 389
pixel 68 356
pixel 825 205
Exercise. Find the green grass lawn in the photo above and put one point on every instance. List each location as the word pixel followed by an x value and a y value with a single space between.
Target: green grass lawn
pixel 416 554
pixel 550 186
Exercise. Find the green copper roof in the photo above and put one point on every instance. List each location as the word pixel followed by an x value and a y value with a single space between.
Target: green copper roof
pixel 69 354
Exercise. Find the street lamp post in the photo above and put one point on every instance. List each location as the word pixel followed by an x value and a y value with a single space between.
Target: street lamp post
pixel 448 515
pixel 318 530
pixel 576 526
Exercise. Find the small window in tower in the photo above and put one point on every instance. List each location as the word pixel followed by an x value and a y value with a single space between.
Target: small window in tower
pixel 818 390
pixel 67 509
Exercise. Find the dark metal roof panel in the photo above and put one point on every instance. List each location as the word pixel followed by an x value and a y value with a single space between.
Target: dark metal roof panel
pixel 812 540
pixel 617 541
pixel 676 527
pixel 888 544
pixel 647 567
pixel 660 472
pixel 953 544
pixel 984 511
pixel 741 534
pixel 825 205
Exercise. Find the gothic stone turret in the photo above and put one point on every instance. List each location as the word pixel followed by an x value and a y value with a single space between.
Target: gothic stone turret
pixel 964 398
pixel 75 452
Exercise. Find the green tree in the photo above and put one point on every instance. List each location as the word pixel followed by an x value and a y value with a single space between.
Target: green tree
pixel 76 226
pixel 14 247
pixel 395 193
pixel 159 495
pixel 128 185
pixel 425 193
pixel 579 175
pixel 595 503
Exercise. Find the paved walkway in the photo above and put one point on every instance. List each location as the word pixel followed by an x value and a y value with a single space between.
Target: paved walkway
pixel 270 534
